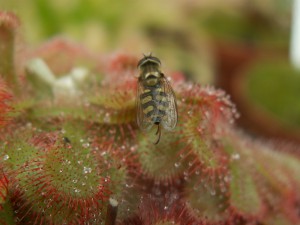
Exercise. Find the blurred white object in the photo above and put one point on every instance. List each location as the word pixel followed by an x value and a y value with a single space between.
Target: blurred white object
pixel 44 81
pixel 79 74
pixel 40 70
pixel 295 35
pixel 68 86
pixel 40 76
pixel 64 87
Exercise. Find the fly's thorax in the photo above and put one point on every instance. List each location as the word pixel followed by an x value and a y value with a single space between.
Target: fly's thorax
pixel 150 75
pixel 151 81
pixel 149 68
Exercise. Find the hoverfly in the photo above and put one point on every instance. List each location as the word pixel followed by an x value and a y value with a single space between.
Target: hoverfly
pixel 156 102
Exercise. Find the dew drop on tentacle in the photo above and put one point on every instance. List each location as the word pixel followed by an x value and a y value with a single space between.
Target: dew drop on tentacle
pixel 5 157
pixel 87 170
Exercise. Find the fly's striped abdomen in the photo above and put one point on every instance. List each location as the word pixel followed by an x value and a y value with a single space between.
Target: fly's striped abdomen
pixel 154 103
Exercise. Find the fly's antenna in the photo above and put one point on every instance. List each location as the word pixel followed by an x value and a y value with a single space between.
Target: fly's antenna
pixel 147 55
pixel 158 132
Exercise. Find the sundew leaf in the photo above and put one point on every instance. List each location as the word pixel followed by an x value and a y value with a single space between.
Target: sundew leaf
pixel 7 214
pixel 39 113
pixel 113 107
pixel 3 189
pixel 278 219
pixel 162 161
pixel 166 223
pixel 17 153
pixel 65 180
pixel 201 144
pixel 8 26
pixel 117 100
pixel 21 106
pixel 244 194
pixel 207 201
pixel 112 117
pixel 206 113
pixel 282 166
pixel 54 111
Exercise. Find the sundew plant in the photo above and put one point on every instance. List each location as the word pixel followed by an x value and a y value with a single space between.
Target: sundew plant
pixel 71 152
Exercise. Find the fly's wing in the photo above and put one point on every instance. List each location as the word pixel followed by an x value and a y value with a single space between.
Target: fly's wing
pixel 170 118
pixel 145 123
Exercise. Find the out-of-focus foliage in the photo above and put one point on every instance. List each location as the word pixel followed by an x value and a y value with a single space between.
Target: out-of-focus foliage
pixel 84 18
pixel 274 85
pixel 179 31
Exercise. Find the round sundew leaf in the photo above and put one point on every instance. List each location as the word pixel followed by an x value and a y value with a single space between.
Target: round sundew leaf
pixel 6 103
pixel 129 203
pixel 56 190
pixel 116 100
pixel 278 219
pixel 207 114
pixel 279 182
pixel 200 143
pixel 72 165
pixel 166 223
pixel 6 214
pixel 69 169
pixel 282 169
pixel 114 108
pixel 109 116
pixel 65 181
pixel 262 179
pixel 44 111
pixel 3 189
pixel 121 186
pixel 17 152
pixel 121 191
pixel 162 161
pixel 208 202
pixel 245 197
pixel 20 107
pixel 244 194
pixel 8 30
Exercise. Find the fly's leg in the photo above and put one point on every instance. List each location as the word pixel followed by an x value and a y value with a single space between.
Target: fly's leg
pixel 158 132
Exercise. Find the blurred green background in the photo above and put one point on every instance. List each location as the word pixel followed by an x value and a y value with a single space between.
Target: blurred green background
pixel 102 23
pixel 179 31
pixel 183 33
